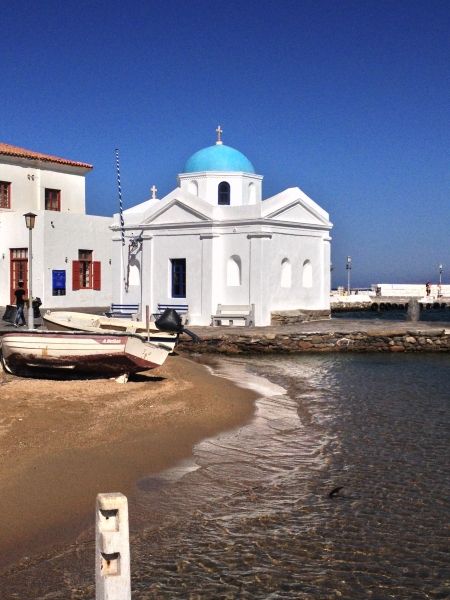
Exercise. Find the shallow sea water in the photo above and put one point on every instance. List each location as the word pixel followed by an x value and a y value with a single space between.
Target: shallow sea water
pixel 249 516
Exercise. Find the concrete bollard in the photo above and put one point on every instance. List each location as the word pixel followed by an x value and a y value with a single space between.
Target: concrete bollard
pixel 112 548
pixel 413 312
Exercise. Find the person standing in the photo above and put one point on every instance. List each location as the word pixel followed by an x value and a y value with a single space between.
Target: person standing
pixel 20 305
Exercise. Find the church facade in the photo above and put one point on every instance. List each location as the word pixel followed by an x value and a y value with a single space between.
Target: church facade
pixel 214 240
pixel 71 250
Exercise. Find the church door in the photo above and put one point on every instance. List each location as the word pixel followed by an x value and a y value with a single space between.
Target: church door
pixel 18 270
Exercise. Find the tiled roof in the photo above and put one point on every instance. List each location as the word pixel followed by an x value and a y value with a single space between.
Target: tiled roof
pixel 10 150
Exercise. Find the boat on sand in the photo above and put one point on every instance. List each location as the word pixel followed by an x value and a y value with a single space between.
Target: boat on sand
pixel 96 354
pixel 71 320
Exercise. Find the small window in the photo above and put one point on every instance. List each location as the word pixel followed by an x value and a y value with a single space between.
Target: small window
pixel 85 260
pixel 178 268
pixel 286 273
pixel 193 188
pixel 52 199
pixel 5 194
pixel 224 193
pixel 251 193
pixel 234 271
pixel 307 275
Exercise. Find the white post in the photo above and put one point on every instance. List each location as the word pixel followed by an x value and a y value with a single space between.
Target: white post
pixel 112 548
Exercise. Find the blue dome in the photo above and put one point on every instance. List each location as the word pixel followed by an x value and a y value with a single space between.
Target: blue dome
pixel 218 158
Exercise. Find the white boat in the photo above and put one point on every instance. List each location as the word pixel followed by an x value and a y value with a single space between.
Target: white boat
pixel 79 321
pixel 95 354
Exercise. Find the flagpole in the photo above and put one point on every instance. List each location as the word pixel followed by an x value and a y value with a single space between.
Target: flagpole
pixel 122 222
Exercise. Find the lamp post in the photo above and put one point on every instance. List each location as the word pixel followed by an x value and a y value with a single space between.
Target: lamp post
pixel 29 222
pixel 348 266
pixel 441 268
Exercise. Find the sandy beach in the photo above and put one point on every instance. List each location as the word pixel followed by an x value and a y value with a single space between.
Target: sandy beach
pixel 62 442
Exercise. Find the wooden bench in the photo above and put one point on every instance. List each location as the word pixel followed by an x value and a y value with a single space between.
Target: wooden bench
pixel 126 311
pixel 234 312
pixel 182 310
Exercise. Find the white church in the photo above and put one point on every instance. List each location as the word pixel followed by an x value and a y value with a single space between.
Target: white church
pixel 214 241
pixel 71 250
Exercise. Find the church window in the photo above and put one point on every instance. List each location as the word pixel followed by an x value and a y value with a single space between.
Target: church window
pixel 52 199
pixel 193 188
pixel 86 273
pixel 251 193
pixel 5 194
pixel 224 193
pixel 234 271
pixel 286 273
pixel 178 272
pixel 307 275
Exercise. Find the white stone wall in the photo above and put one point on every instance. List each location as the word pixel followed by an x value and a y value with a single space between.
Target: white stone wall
pixel 412 290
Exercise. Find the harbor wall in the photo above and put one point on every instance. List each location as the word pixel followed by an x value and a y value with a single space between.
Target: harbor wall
pixel 414 340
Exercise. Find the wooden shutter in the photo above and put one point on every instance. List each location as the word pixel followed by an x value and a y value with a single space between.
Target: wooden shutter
pixel 75 275
pixel 96 274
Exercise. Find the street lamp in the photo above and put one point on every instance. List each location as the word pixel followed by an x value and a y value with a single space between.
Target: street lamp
pixel 29 222
pixel 348 266
pixel 441 268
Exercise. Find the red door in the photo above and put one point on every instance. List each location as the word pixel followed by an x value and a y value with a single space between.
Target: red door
pixel 18 270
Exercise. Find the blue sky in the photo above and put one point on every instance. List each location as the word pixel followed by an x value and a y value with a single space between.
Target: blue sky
pixel 348 100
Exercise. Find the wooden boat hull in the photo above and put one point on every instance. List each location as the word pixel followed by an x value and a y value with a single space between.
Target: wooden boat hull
pixel 80 353
pixel 71 320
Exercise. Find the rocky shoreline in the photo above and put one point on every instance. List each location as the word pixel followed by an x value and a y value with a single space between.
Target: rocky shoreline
pixel 281 340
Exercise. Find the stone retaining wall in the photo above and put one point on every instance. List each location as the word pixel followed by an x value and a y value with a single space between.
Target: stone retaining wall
pixel 436 340
pixel 290 317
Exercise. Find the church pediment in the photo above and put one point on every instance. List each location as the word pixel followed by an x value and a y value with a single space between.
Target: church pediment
pixel 295 207
pixel 177 210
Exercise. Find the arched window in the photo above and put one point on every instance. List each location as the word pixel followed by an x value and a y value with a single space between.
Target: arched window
pixel 251 193
pixel 224 193
pixel 307 275
pixel 286 273
pixel 234 271
pixel 193 188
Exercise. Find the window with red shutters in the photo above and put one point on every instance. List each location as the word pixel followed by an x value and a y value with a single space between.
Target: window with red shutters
pixel 52 199
pixel 5 194
pixel 86 273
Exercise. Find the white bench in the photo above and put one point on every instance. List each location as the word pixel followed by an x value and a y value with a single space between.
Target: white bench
pixel 234 312
pixel 127 311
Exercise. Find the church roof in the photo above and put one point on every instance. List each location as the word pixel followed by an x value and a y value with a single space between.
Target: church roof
pixel 218 158
pixel 9 150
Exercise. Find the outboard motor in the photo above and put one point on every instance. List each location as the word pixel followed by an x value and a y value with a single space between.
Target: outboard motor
pixel 36 303
pixel 171 321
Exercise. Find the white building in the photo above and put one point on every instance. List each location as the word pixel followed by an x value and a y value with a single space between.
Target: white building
pixel 71 250
pixel 213 240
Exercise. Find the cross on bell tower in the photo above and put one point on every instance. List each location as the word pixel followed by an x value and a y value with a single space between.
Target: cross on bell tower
pixel 219 132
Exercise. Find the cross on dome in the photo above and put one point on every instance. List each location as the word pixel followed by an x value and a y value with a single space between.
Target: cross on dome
pixel 153 190
pixel 219 132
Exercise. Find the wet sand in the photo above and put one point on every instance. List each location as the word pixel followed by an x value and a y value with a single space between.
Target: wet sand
pixel 62 442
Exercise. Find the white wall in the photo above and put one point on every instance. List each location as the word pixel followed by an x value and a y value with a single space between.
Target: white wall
pixel 28 185
pixel 52 244
pixel 208 184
